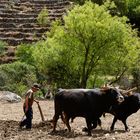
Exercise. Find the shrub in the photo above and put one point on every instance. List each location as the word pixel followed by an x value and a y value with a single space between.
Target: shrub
pixel 43 17
pixel 17 77
pixel 2 47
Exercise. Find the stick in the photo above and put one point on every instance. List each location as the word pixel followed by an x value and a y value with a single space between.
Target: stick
pixel 22 119
pixel 42 117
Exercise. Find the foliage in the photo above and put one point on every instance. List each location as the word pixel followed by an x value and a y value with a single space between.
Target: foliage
pixel 3 45
pixel 24 53
pixel 81 2
pixel 129 8
pixel 16 77
pixel 91 45
pixel 43 17
pixel 92 38
pixel 48 67
pixel 35 55
pixel 135 71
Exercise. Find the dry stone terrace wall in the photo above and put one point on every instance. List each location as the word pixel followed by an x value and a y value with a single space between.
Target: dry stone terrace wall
pixel 18 23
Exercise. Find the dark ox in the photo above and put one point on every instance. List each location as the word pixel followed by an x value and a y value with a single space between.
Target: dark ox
pixel 87 103
pixel 130 105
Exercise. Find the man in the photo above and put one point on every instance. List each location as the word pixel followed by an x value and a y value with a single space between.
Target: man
pixel 27 106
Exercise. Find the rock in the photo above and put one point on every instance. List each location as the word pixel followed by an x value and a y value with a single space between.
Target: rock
pixel 107 134
pixel 9 96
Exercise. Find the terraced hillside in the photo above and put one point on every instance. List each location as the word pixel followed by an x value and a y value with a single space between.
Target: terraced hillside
pixel 18 21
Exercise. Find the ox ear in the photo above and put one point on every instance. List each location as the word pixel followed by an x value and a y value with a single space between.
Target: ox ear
pixel 106 85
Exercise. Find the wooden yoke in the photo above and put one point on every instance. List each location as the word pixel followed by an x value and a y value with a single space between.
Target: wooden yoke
pixel 128 91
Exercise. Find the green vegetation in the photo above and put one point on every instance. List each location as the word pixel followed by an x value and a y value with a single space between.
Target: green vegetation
pixel 90 44
pixel 43 17
pixel 93 45
pixel 3 45
pixel 129 8
pixel 16 77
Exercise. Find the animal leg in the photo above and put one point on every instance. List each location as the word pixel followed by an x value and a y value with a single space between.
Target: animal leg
pixel 125 125
pixel 113 123
pixel 67 122
pixel 55 119
pixel 63 117
pixel 93 126
pixel 89 128
pixel 99 123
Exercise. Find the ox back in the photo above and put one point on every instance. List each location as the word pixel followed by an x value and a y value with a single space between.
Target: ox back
pixel 87 103
pixel 130 105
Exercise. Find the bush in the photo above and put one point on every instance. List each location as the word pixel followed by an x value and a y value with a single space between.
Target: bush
pixel 17 77
pixel 43 17
pixel 2 47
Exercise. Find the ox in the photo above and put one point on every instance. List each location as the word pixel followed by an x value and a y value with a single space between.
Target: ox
pixel 87 103
pixel 130 105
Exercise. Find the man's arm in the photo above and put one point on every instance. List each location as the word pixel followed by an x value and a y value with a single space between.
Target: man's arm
pixel 26 104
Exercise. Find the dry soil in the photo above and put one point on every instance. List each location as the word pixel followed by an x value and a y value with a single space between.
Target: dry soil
pixel 11 114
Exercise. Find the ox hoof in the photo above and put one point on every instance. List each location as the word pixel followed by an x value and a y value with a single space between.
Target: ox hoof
pixel 85 129
pixel 53 131
pixel 111 129
pixel 89 134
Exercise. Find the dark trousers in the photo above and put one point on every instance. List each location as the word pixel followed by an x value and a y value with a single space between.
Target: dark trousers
pixel 28 120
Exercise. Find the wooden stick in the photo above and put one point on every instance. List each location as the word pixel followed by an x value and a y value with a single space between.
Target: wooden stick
pixel 40 110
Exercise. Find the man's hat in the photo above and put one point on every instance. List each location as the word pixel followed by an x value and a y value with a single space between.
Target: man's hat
pixel 37 86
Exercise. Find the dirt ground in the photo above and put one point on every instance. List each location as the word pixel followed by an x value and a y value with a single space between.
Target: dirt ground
pixel 11 114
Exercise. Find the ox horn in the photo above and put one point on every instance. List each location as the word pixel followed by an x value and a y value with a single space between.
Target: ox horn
pixel 128 92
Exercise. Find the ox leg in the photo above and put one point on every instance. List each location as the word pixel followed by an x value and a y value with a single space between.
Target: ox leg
pixel 93 126
pixel 63 117
pixel 89 128
pixel 99 123
pixel 125 125
pixel 113 123
pixel 67 122
pixel 55 119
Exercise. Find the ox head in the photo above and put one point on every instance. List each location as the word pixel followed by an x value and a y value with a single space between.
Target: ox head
pixel 113 94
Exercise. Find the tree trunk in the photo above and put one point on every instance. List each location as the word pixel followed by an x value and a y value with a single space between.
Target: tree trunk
pixel 84 77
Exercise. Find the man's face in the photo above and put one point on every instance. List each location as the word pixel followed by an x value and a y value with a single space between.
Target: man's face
pixel 35 89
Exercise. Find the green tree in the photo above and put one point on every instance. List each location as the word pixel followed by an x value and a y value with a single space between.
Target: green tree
pixel 91 36
pixel 129 8
pixel 34 55
pixel 90 45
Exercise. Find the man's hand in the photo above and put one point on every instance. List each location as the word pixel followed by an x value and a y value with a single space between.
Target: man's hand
pixel 26 109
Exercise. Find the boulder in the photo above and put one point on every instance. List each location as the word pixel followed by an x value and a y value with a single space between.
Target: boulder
pixel 9 96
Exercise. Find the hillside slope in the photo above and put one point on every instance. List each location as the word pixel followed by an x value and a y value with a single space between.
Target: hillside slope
pixel 18 21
